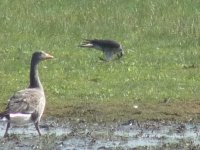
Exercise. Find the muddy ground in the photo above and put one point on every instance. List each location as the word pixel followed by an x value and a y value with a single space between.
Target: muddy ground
pixel 67 135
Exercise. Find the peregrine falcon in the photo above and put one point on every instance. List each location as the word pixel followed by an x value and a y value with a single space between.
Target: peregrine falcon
pixel 110 48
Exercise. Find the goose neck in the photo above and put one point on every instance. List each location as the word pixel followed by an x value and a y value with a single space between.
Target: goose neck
pixel 34 76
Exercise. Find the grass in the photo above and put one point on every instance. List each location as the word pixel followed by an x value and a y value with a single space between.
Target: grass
pixel 161 39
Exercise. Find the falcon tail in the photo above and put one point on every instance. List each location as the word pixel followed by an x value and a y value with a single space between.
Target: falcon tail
pixel 87 43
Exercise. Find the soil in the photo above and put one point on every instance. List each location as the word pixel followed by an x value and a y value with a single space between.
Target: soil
pixel 80 135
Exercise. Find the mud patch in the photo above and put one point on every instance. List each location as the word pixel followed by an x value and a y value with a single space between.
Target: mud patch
pixel 80 135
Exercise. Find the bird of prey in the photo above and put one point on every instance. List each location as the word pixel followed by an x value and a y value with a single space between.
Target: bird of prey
pixel 110 48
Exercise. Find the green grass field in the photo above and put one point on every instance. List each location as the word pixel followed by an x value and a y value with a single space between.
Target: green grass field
pixel 160 71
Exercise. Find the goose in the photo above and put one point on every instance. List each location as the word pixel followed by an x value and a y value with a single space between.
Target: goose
pixel 108 47
pixel 27 105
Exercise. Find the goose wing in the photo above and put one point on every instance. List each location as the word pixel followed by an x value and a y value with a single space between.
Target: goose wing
pixel 25 101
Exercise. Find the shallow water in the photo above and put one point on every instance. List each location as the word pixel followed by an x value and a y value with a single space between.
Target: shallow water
pixel 76 135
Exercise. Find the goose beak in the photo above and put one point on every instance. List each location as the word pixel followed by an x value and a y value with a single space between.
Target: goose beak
pixel 48 56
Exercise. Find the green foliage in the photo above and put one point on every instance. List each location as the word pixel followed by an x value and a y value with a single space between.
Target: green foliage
pixel 161 39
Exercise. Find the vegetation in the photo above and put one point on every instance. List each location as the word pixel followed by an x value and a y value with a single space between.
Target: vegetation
pixel 160 71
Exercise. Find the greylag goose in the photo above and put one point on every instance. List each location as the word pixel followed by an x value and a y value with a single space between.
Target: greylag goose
pixel 27 105
pixel 108 47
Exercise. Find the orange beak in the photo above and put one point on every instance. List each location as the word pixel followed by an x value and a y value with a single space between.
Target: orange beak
pixel 48 56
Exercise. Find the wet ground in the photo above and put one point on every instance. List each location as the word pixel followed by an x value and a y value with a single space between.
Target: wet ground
pixel 60 135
